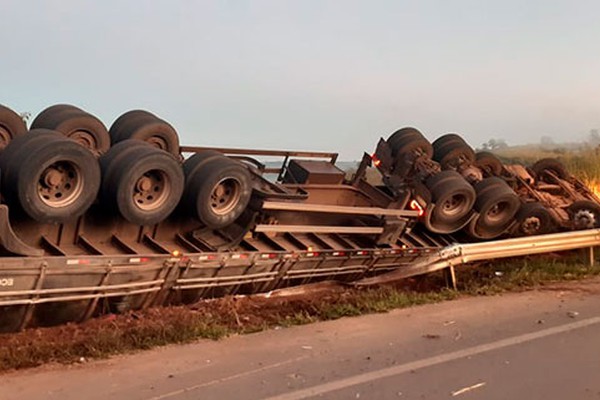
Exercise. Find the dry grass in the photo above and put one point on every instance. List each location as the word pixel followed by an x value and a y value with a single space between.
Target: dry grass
pixel 582 161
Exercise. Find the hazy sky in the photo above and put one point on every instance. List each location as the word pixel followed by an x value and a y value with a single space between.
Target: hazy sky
pixel 314 75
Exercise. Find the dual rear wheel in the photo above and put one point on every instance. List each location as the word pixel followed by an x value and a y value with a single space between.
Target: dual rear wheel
pixel 453 199
pixel 496 206
pixel 451 150
pixel 49 177
pixel 76 124
pixel 145 126
pixel 144 184
pixel 217 189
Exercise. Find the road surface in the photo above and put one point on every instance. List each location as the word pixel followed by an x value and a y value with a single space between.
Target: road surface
pixel 541 344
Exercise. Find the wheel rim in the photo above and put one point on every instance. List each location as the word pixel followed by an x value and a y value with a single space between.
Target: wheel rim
pixel 454 205
pixel 84 138
pixel 531 225
pixel 225 196
pixel 584 219
pixel 151 190
pixel 60 184
pixel 497 213
pixel 5 136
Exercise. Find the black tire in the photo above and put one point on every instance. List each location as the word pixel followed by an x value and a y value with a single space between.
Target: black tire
pixel 552 165
pixel 534 219
pixel 130 125
pixel 218 192
pixel 10 158
pixel 152 130
pixel 497 205
pixel 445 140
pixel 52 179
pixel 409 140
pixel 455 154
pixel 82 127
pixel 124 122
pixel 144 184
pixel 584 214
pixel 40 121
pixel 196 161
pixel 416 145
pixel 404 133
pixel 11 126
pixel 489 184
pixel 453 198
pixel 488 163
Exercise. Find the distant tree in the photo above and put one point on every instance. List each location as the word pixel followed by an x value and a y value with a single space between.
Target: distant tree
pixel 494 144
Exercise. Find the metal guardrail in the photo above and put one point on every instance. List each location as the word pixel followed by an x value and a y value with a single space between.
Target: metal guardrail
pixel 141 282
pixel 458 254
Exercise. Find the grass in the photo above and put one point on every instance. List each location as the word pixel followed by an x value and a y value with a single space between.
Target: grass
pixel 218 318
pixel 515 275
pixel 583 161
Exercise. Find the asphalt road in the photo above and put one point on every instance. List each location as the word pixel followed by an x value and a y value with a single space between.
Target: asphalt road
pixel 533 345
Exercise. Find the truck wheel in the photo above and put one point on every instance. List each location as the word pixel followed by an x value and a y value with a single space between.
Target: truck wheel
pixel 453 198
pixel 403 134
pixel 125 120
pixel 40 121
pixel 11 125
pixel 584 214
pixel 534 219
pixel 51 178
pixel 497 205
pixel 143 183
pixel 488 163
pixel 9 159
pixel 152 130
pixel 197 160
pixel 219 191
pixel 80 126
pixel 456 154
pixel 442 145
pixel 549 165
pixel 409 140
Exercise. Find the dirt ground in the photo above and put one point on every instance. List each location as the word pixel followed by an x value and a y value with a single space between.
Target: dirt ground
pixel 218 318
pixel 535 344
pixel 211 318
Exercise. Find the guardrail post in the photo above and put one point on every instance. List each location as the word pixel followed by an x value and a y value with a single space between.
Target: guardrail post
pixel 591 258
pixel 450 277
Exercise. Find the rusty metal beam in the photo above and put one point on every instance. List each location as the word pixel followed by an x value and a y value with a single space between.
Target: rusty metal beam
pixel 325 208
pixel 359 230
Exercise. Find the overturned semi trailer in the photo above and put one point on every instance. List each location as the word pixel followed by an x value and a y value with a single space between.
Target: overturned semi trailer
pixel 97 220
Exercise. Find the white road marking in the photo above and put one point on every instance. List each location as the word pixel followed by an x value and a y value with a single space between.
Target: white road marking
pixel 467 389
pixel 431 361
pixel 227 378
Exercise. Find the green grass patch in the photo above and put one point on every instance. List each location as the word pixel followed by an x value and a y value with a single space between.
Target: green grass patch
pixel 513 275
